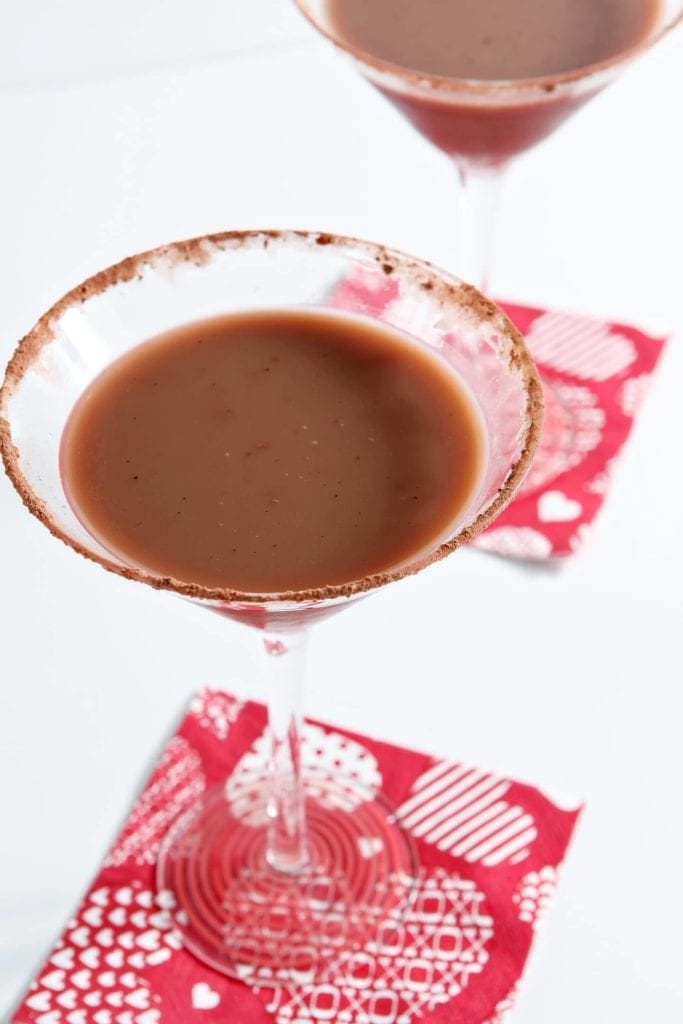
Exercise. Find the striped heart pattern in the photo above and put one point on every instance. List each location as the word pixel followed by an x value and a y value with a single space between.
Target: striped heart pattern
pixel 489 850
pixel 463 811
pixel 580 346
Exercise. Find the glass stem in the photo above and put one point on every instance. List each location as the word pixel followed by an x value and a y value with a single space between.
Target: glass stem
pixel 285 655
pixel 478 195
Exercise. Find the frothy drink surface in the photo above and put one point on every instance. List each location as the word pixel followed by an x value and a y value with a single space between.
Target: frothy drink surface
pixel 493 39
pixel 272 451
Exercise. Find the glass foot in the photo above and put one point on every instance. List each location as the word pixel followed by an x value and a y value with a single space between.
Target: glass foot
pixel 248 920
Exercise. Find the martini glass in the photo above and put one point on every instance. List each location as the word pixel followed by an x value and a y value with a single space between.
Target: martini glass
pixel 482 125
pixel 279 870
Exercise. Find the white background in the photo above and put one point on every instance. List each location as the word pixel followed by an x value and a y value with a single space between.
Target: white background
pixel 126 125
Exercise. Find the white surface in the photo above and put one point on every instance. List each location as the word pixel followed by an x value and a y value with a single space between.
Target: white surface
pixel 118 134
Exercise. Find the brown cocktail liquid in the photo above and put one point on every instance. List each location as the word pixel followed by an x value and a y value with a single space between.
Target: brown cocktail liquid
pixel 493 39
pixel 273 451
pixel 489 40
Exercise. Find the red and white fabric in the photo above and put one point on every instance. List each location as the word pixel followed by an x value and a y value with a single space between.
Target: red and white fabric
pixel 490 849
pixel 595 374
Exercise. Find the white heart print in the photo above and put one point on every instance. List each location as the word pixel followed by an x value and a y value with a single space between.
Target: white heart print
pixel 93 916
pixel 54 980
pixel 67 999
pixel 138 999
pixel 49 1018
pixel 39 1001
pixel 90 957
pixel 100 897
pixel 556 507
pixel 91 978
pixel 80 937
pixel 368 846
pixel 204 997
pixel 63 958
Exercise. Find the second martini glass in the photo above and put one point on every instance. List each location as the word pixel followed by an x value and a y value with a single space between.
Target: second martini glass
pixel 279 870
pixel 483 124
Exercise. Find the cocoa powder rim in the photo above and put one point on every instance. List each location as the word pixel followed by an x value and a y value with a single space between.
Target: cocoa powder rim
pixel 448 290
pixel 541 87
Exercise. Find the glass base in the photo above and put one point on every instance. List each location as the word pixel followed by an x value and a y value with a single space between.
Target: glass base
pixel 250 921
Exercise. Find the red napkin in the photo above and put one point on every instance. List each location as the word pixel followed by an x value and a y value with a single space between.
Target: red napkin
pixel 489 848
pixel 595 374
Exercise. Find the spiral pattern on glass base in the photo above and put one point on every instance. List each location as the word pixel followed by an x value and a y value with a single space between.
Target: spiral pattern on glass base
pixel 250 921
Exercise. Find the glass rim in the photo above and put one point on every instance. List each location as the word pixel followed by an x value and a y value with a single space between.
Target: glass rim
pixel 542 85
pixel 445 287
